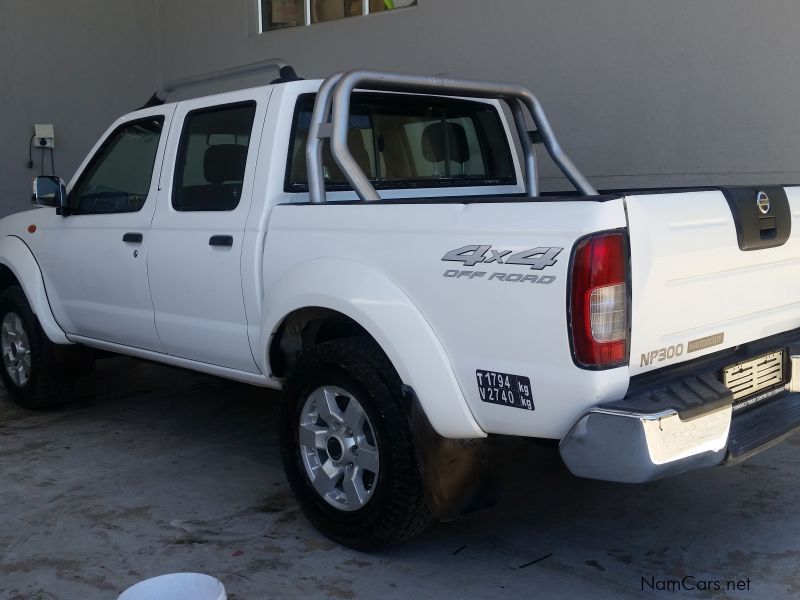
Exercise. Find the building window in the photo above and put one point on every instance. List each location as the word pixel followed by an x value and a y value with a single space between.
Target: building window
pixel 280 14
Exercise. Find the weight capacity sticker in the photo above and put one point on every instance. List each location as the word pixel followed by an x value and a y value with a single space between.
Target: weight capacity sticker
pixel 505 389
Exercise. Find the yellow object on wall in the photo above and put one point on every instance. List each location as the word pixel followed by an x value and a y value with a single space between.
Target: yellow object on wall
pixel 330 10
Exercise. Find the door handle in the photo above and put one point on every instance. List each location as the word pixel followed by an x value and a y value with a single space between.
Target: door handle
pixel 221 240
pixel 133 238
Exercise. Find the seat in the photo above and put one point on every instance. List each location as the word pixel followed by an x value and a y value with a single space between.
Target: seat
pixel 355 142
pixel 223 169
pixel 441 141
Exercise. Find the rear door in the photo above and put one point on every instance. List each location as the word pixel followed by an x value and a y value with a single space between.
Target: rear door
pixel 196 240
pixel 711 270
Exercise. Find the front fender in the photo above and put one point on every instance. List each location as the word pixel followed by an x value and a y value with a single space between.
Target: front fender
pixel 16 255
pixel 391 318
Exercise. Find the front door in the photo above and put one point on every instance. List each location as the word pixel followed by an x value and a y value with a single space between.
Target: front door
pixel 195 258
pixel 94 261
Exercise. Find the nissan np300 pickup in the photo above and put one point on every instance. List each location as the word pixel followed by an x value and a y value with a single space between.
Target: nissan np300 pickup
pixel 376 245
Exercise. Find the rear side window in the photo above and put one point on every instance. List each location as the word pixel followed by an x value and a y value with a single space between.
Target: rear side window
pixel 410 141
pixel 117 179
pixel 212 156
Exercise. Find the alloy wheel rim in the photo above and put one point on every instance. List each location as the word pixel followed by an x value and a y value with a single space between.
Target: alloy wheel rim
pixel 338 448
pixel 16 349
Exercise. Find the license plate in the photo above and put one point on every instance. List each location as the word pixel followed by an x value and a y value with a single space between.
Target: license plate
pixel 749 378
pixel 505 389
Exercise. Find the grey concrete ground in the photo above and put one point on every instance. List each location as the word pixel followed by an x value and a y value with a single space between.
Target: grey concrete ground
pixel 157 470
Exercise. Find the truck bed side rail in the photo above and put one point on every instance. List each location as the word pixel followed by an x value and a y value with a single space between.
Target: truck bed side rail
pixel 330 120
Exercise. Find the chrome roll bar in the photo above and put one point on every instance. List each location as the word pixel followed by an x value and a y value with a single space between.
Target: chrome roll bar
pixel 319 129
pixel 331 120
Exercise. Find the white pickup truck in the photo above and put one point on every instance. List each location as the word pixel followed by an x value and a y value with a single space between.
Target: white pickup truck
pixel 376 246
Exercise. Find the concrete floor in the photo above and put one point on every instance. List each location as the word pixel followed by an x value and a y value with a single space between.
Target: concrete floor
pixel 157 470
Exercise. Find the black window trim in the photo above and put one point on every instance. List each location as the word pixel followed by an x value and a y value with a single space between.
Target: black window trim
pixel 101 149
pixel 180 155
pixel 294 188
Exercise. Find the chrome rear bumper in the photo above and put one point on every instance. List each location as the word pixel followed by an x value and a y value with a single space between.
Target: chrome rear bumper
pixel 678 428
pixel 634 448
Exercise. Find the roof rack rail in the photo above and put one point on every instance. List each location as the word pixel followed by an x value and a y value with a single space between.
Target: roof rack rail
pixel 330 120
pixel 286 72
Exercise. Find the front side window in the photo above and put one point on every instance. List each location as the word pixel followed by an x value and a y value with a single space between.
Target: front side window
pixel 411 141
pixel 212 156
pixel 118 178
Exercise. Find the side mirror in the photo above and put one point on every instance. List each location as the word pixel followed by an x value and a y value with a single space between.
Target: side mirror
pixel 50 191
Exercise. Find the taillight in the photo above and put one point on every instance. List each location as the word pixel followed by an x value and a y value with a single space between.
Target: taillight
pixel 599 300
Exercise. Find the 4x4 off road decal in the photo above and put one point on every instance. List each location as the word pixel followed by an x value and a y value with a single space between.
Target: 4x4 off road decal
pixel 537 259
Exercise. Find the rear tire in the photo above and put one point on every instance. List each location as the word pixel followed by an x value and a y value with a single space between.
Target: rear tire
pixel 353 470
pixel 30 367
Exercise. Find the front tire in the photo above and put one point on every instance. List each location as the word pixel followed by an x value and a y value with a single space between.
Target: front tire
pixel 347 446
pixel 29 370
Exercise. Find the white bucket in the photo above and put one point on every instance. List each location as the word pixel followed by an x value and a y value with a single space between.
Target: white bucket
pixel 178 586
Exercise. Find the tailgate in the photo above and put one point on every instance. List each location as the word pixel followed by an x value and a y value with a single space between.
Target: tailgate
pixel 711 270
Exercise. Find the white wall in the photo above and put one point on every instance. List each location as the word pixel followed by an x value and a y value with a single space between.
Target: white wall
pixel 641 92
pixel 76 64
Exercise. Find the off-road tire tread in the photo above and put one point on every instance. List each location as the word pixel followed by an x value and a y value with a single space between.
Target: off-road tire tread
pixel 49 387
pixel 406 513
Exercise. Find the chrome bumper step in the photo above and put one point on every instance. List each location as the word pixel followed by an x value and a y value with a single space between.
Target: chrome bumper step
pixel 689 397
pixel 763 427
pixel 682 424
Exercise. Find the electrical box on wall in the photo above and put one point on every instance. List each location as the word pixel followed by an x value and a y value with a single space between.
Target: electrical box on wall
pixel 44 136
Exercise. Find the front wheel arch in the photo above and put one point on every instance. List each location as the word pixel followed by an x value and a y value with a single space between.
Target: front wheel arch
pixel 20 267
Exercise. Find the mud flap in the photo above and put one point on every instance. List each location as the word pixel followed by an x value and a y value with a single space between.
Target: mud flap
pixel 70 361
pixel 457 473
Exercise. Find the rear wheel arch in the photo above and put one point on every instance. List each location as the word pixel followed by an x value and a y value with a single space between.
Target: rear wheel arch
pixel 372 304
pixel 305 328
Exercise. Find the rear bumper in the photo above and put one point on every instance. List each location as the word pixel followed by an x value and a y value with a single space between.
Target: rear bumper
pixel 678 427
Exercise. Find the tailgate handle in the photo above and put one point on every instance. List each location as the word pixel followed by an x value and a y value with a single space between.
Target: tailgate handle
pixel 762 216
pixel 767 228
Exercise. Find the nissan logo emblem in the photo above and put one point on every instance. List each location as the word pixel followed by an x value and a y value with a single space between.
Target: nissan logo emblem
pixel 762 201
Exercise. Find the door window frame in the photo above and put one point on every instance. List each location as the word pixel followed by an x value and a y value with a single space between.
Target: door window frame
pixel 103 145
pixel 179 150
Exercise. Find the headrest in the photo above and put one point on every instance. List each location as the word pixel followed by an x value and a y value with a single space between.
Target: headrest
pixel 433 143
pixel 357 147
pixel 224 162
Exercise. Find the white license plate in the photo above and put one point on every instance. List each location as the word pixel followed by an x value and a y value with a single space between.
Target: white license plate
pixel 753 376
